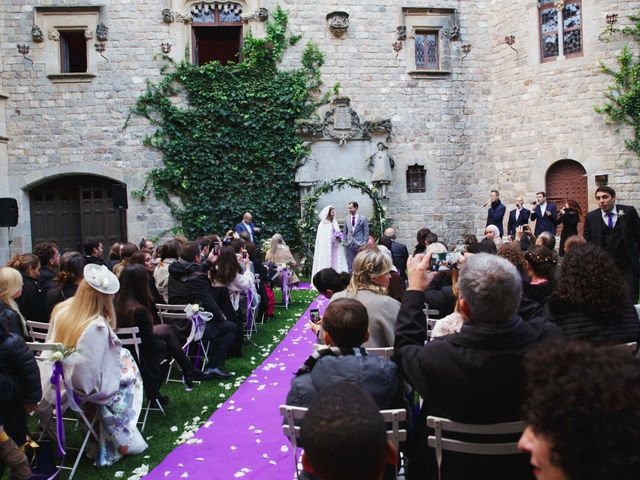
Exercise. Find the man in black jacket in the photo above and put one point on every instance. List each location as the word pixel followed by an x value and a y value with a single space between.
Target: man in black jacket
pixel 189 284
pixel 475 376
pixel 399 252
pixel 49 260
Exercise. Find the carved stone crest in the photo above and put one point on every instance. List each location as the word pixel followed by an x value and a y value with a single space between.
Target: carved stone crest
pixel 338 22
pixel 36 34
pixel 88 34
pixel 53 34
pixel 342 123
pixel 167 15
pixel 262 14
pixel 102 32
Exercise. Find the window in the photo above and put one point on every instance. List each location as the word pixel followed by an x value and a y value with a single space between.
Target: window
pixel 568 20
pixel 426 45
pixel 416 179
pixel 216 32
pixel 73 51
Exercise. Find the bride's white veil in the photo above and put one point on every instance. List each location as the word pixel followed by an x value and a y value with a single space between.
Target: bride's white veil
pixel 325 211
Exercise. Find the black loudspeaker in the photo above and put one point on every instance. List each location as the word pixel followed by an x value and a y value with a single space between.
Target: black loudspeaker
pixel 119 193
pixel 8 212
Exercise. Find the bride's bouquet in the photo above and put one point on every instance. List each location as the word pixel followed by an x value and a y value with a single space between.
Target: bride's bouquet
pixel 339 236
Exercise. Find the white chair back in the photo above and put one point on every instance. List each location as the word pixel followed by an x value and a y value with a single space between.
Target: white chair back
pixel 129 336
pixel 38 331
pixel 39 347
pixel 441 443
pixel 384 352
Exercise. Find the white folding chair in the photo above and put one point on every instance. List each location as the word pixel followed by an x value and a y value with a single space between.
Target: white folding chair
pixel 38 331
pixel 38 348
pixel 292 416
pixel 442 444
pixel 384 352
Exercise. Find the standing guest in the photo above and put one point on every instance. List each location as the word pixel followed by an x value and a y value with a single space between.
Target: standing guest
pixel 369 283
pixel 344 436
pixel 583 410
pixel 146 245
pixel 247 225
pixel 616 228
pixel 93 249
pixel 71 273
pixel 396 283
pixel 517 217
pixel 144 258
pixel 590 301
pixel 21 392
pixel 421 241
pixel 399 252
pixel 356 232
pixel 126 251
pixel 169 253
pixel 544 214
pixel 279 253
pixel 33 301
pixel 98 369
pixel 114 255
pixel 569 217
pixel 49 260
pixel 474 376
pixel 495 214
pixel 10 289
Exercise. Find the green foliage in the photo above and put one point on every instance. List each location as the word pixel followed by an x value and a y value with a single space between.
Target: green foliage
pixel 227 135
pixel 623 96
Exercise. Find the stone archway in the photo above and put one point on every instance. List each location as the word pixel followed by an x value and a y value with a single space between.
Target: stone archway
pixel 68 209
pixel 567 179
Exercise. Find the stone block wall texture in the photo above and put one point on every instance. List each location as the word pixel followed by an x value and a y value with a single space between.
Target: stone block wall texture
pixel 498 120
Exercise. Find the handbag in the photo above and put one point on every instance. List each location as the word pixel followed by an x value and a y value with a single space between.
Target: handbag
pixel 42 459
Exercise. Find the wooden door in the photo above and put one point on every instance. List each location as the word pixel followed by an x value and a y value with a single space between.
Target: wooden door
pixel 566 179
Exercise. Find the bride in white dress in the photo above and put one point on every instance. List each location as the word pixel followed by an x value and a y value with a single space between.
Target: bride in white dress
pixel 329 252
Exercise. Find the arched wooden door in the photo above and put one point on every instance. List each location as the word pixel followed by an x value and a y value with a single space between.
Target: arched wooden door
pixel 566 179
pixel 69 209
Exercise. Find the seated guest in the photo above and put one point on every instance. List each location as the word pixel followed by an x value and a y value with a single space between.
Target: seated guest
pixel 422 240
pixel 21 392
pixel 546 239
pixel 538 286
pixel 327 281
pixel 146 245
pixel 67 281
pixel 590 301
pixel 573 241
pixel 369 282
pixel 49 260
pixel 279 253
pixel 489 246
pixel 33 301
pixel 345 328
pixel 126 251
pixel 474 376
pixel 188 284
pixel 469 238
pixel 491 232
pixel 583 409
pixel 10 289
pixel 93 251
pixel 169 253
pixel 114 255
pixel 512 252
pixel 144 258
pixel 451 323
pixel 99 370
pixel 344 436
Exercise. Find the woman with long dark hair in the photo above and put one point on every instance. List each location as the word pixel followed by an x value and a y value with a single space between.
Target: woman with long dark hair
pixel 133 309
pixel 569 217
pixel 68 278
pixel 144 258
pixel 591 300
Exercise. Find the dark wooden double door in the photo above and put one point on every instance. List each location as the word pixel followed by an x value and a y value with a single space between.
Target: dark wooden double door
pixel 567 179
pixel 70 209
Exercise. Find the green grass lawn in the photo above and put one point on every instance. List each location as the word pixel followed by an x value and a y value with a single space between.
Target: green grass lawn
pixel 185 407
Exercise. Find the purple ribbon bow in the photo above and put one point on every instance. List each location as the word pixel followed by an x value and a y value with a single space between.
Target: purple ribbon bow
pixel 249 303
pixel 56 379
pixel 285 285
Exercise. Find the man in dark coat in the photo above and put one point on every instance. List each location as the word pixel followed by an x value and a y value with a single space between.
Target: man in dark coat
pixel 475 376
pixel 616 228
pixel 544 214
pixel 495 214
pixel 49 260
pixel 94 250
pixel 399 253
pixel 189 284
pixel 517 217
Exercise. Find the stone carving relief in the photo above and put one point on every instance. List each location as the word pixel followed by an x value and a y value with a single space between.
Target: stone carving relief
pixel 102 32
pixel 36 34
pixel 53 34
pixel 342 123
pixel 262 15
pixel 338 23
pixel 167 15
pixel 88 34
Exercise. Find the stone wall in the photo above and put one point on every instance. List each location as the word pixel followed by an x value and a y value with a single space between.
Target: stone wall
pixel 497 120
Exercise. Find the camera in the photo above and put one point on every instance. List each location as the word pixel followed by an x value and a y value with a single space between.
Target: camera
pixel 315 315
pixel 444 261
pixel 244 255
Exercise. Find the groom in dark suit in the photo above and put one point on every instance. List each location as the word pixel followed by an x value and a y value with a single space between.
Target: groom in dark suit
pixel 356 232
pixel 616 228
pixel 544 214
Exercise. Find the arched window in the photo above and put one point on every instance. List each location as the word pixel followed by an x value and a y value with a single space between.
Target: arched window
pixel 216 32
pixel 416 179
pixel 552 21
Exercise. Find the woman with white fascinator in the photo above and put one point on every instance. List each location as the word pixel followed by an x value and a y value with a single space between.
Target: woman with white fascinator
pixel 103 376
pixel 329 252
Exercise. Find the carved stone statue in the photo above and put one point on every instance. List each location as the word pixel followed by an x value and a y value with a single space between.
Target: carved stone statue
pixel 381 165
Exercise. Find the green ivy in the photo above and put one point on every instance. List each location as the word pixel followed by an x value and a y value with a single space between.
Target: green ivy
pixel 623 96
pixel 227 135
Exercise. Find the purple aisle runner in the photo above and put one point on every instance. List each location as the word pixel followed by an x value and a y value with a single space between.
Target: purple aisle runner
pixel 243 438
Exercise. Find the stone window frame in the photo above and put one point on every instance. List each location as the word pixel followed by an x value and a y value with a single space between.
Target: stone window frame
pixel 439 20
pixel 560 30
pixel 193 25
pixel 54 19
pixel 421 173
